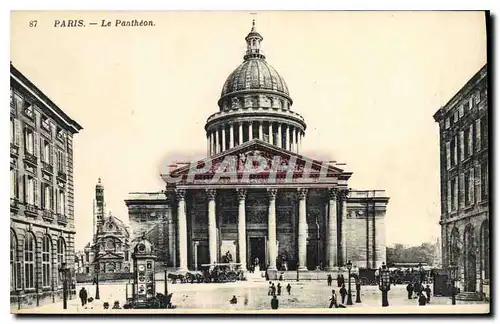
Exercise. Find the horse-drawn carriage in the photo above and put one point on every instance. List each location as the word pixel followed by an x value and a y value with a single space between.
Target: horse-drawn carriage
pixel 217 272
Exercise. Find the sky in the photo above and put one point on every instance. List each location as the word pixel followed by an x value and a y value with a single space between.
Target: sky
pixel 367 84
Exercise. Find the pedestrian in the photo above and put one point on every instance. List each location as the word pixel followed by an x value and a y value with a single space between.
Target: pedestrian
pixel 409 289
pixel 83 296
pixel 288 288
pixel 273 290
pixel 342 280
pixel 416 288
pixel 233 300
pixel 333 300
pixel 422 300
pixel 329 280
pixel 343 293
pixel 338 281
pixel 281 276
pixel 279 289
pixel 274 302
pixel 428 293
pixel 270 288
pixel 116 305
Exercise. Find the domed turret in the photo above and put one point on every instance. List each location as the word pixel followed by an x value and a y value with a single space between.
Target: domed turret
pixel 254 104
pixel 143 247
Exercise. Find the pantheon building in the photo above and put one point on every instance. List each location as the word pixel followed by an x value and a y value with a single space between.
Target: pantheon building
pixel 255 195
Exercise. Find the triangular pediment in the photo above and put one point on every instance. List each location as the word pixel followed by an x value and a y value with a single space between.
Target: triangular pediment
pixel 110 256
pixel 256 160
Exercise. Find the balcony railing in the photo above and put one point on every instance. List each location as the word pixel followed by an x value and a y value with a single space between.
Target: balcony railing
pixel 48 215
pixel 14 149
pixel 62 219
pixel 30 158
pixel 47 167
pixel 14 204
pixel 31 210
pixel 61 175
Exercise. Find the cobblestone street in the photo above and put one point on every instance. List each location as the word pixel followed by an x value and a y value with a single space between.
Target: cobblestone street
pixel 253 296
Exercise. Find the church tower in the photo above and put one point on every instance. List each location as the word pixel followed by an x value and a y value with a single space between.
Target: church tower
pixel 99 207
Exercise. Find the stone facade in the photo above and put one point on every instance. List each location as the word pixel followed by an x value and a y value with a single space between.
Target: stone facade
pixel 293 208
pixel 463 127
pixel 41 202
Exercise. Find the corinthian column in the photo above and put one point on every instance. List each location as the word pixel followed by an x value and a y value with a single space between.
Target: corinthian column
pixel 343 227
pixel 302 230
pixel 242 239
pixel 182 228
pixel 271 226
pixel 287 138
pixel 271 133
pixel 240 134
pixel 331 247
pixel 279 140
pixel 231 136
pixel 223 138
pixel 212 226
pixel 261 133
pixel 250 131
pixel 217 143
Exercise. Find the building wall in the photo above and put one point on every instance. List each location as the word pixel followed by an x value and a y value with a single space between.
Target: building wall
pixel 464 177
pixel 357 226
pixel 35 210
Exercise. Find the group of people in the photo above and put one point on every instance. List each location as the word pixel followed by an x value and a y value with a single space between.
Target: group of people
pixel 275 290
pixel 419 291
pixel 340 280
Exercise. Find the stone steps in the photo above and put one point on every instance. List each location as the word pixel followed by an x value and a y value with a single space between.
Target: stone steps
pixel 468 296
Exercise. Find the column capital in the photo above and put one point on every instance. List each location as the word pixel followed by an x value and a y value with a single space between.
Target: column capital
pixel 211 194
pixel 242 193
pixel 302 193
pixel 272 192
pixel 343 193
pixel 180 194
pixel 333 193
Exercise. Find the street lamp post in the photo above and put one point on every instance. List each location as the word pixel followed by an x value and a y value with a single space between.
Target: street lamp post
pixel 453 276
pixel 421 272
pixel 97 296
pixel 349 295
pixel 63 275
pixel 384 284
pixel 358 291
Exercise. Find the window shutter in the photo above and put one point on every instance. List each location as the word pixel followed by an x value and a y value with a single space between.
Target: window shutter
pixel 17 131
pixel 25 188
pixel 36 144
pixel 36 193
pixel 471 185
pixel 478 134
pixel 448 197
pixel 478 184
pixel 51 161
pixel 470 140
pixel 455 203
pixel 461 197
pixel 448 164
pixel 455 150
pixel 461 145
pixel 56 197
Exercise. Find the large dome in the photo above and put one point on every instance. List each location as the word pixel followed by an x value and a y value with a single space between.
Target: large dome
pixel 254 74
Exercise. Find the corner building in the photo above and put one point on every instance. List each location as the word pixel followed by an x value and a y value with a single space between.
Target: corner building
pixel 42 231
pixel 306 220
pixel 465 211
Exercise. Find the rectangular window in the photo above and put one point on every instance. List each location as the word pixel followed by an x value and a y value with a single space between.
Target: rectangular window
pixel 45 150
pixel 448 155
pixel 87 257
pixel 461 111
pixel 470 140
pixel 483 137
pixel 29 140
pixel 452 187
pixel 467 187
pixel 454 151
pixel 60 161
pixel 477 97
pixel 14 184
pixel 471 102
pixel 466 107
pixel 471 186
pixel 447 123
pixel 12 131
pixel 455 117
pixel 62 202
pixel 47 199
pixel 484 180
pixel 461 145
pixel 30 190
pixel 455 200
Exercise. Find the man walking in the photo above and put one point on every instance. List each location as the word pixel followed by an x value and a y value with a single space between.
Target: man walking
pixel 288 288
pixel 274 302
pixel 83 296
pixel 329 280
pixel 428 293
pixel 343 293
pixel 409 289
pixel 278 287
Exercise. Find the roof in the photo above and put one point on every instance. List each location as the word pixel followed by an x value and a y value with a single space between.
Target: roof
pixel 55 112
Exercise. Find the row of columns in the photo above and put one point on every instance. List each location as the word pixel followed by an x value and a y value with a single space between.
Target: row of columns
pixel 335 252
pixel 287 136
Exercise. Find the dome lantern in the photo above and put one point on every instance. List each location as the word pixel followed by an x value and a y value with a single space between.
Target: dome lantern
pixel 253 44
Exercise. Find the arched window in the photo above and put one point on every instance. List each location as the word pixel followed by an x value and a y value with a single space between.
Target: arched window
pixel 61 253
pixel 46 251
pixel 29 260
